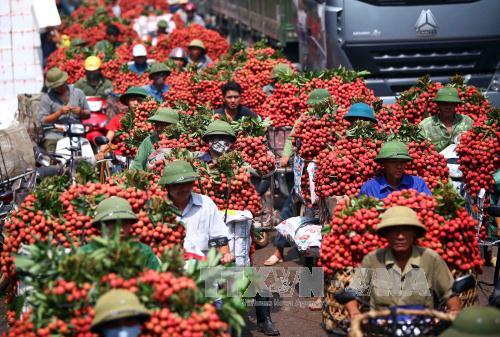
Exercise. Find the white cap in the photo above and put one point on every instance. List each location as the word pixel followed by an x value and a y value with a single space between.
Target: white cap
pixel 139 50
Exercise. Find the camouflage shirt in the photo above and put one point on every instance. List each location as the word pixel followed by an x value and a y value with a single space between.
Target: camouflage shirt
pixel 436 132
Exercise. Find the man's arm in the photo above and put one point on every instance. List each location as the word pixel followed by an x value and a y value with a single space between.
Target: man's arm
pixel 442 285
pixel 453 305
pixel 84 112
pixel 139 162
pixel 424 188
pixel 218 229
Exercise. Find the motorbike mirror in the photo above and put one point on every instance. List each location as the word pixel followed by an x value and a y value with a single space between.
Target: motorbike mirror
pixel 346 295
pixel 463 283
pixel 101 140
pixel 494 211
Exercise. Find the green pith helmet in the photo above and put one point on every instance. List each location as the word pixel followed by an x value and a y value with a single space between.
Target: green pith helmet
pixel 55 78
pixel 165 115
pixel 219 127
pixel 393 150
pixel 101 11
pixel 118 304
pixel 400 216
pixel 133 91
pixel 197 43
pixel 318 96
pixel 162 24
pixel 475 322
pixel 281 69
pixel 448 95
pixel 113 208
pixel 158 68
pixel 178 172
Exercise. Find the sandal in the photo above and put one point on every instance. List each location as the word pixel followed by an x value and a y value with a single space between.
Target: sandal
pixel 316 305
pixel 272 260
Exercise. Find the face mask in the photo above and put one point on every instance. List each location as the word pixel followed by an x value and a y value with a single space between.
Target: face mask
pixel 123 331
pixel 220 146
pixel 93 76
pixel 117 11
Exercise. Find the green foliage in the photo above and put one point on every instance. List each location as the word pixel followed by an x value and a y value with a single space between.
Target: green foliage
pixel 48 192
pixel 255 127
pixel 449 201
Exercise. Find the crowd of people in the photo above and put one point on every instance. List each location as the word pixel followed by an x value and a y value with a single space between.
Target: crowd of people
pixel 66 103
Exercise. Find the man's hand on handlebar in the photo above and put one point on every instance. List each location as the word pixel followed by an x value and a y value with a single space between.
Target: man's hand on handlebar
pixel 226 258
pixel 284 161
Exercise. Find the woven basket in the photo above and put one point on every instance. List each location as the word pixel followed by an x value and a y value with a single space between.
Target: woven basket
pixel 468 298
pixel 430 323
pixel 335 316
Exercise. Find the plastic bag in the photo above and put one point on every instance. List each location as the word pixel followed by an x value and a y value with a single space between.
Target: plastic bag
pixel 16 153
pixel 303 232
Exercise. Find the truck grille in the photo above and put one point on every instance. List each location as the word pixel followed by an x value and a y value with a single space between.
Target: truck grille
pixel 426 60
pixel 436 58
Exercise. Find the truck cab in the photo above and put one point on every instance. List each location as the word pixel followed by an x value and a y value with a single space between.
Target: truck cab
pixel 398 41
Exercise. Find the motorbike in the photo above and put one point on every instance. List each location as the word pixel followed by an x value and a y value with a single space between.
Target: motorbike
pixel 96 123
pixel 407 320
pixel 73 148
pixel 110 162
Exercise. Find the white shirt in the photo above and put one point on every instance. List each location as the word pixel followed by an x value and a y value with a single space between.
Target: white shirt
pixel 203 222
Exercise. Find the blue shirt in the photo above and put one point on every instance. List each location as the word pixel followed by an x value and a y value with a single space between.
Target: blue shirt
pixel 155 93
pixel 378 187
pixel 138 69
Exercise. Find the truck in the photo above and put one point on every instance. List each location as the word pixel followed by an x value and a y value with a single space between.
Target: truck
pixel 397 41
pixel 253 20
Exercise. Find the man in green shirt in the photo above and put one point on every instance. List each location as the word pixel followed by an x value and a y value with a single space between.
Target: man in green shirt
pixel 94 83
pixel 442 129
pixel 163 118
pixel 115 211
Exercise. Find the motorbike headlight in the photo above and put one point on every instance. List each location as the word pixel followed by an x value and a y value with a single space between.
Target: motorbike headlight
pixel 77 129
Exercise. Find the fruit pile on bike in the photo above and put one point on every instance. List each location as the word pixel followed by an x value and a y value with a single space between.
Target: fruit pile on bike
pixel 64 287
pixel 451 232
pixel 62 215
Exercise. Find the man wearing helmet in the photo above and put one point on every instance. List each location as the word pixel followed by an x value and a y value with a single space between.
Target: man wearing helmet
pixel 360 112
pixel 403 273
pixel 475 322
pixel 198 54
pixel 119 312
pixel 203 222
pixel 158 73
pixel 163 118
pixel 112 39
pixel 131 98
pixel 140 63
pixel 63 104
pixel 113 214
pixel 179 57
pixel 393 157
pixel 190 16
pixel 442 129
pixel 94 83
pixel 279 71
